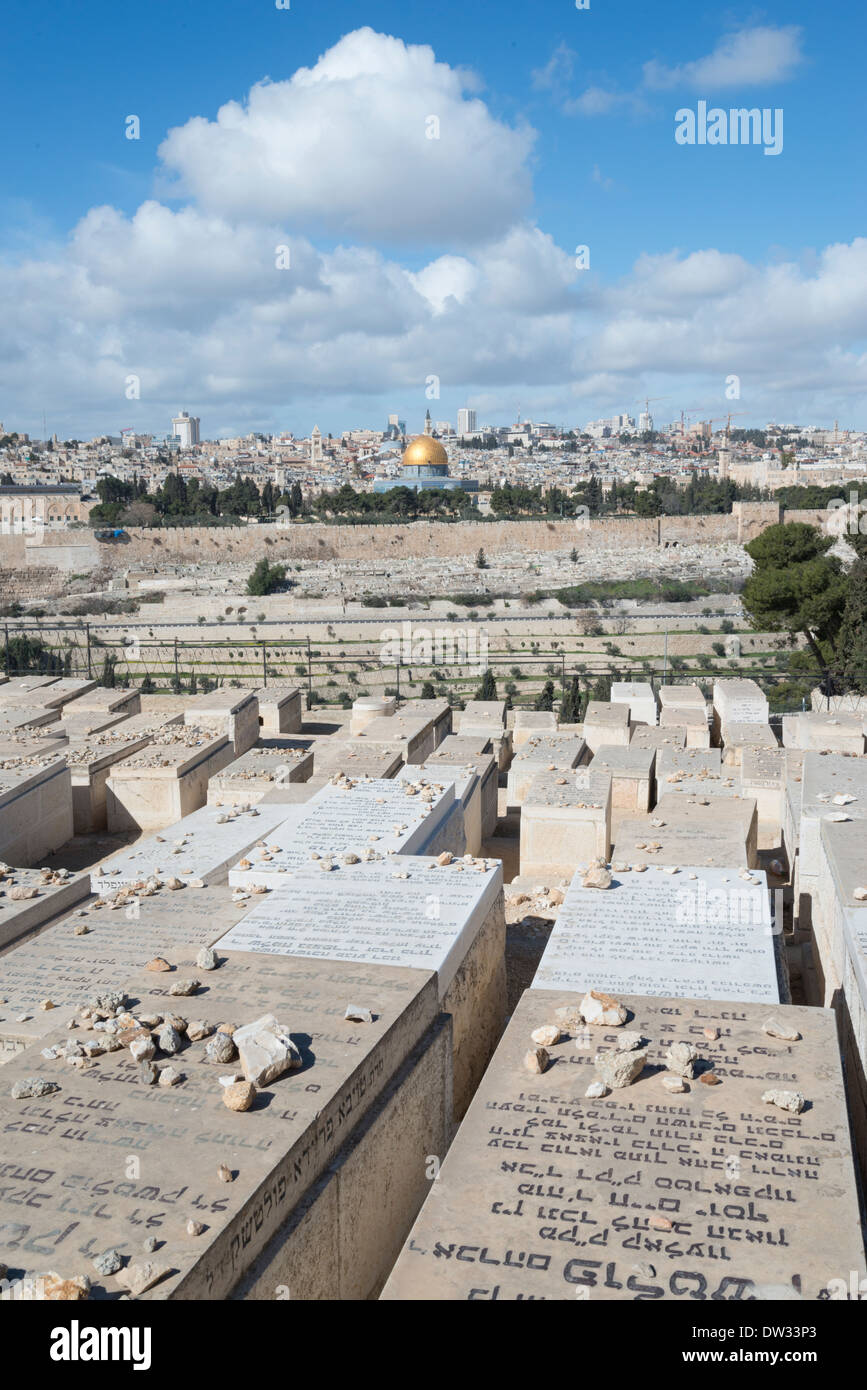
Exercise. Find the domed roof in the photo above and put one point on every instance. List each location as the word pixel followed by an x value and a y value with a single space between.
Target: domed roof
pixel 425 451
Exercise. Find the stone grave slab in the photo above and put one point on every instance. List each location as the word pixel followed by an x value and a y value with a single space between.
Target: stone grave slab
pixel 606 724
pixel 279 710
pixel 410 912
pixel 738 701
pixel 310 1147
pixel 763 776
pixel 64 691
pixel 737 737
pixel 35 808
pixel 90 761
pixel 108 701
pixel 660 737
pixel 530 723
pixel 414 734
pixel 711 831
pixel 26 716
pixel 484 764
pixel 699 933
pixel 692 722
pixel 706 1194
pixel 362 820
pixel 467 790
pixel 52 894
pixel 825 776
pixel 165 781
pixel 234 713
pixel 565 820
pixel 639 699
pixel 538 753
pixel 257 772
pixel 369 707
pixel 355 757
pixel 631 771
pixel 821 732
pixel 200 846
pixel 439 712
pixel 683 697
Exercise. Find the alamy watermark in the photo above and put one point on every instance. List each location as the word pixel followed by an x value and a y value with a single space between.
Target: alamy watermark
pixel 424 646
pixel 737 126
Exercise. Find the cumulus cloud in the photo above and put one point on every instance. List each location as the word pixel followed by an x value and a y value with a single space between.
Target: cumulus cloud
pixel 763 53
pixel 377 141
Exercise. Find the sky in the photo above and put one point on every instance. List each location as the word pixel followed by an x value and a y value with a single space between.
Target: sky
pixel 329 213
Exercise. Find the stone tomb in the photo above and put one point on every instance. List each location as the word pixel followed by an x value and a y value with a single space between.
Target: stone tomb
pixel 825 777
pixel 763 776
pixel 565 821
pixel 739 737
pixel 468 792
pixel 822 732
pixel 68 968
pixel 166 781
pixel 279 710
pixel 714 832
pixel 355 757
pixel 639 699
pixel 646 737
pixel 234 713
pixel 62 692
pixel 709 1194
pixel 35 808
pixel 487 719
pixel 90 762
pixel 75 724
pixel 53 893
pixel 13 687
pixel 698 771
pixel 105 701
pixel 606 724
pixel 257 772
pixel 412 912
pixel 439 712
pixel 699 933
pixel 201 846
pixel 415 734
pixel 369 707
pixel 330 1165
pixel 631 776
pixel 26 715
pixel 483 763
pixel 681 698
pixel 738 701
pixel 538 753
pixel 692 722
pixel 531 723
pixel 348 826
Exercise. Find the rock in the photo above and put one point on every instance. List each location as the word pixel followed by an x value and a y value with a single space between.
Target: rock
pixel 660 1223
pixel 711 1034
pixel 860 894
pixel 546 1036
pixel 149 1073
pixel 569 1017
pixel 619 1069
pixel 169 1040
pixel 674 1084
pixel 198 1030
pixel 170 1076
pixel 206 959
pixel 55 1289
pixel 81 929
pixel 596 877
pixel 240 1096
pixel 195 1228
pixel 230 1078
pixel 709 1078
pixel 47 1004
pixel 536 1060
pixel 225 1173
pixel 139 1278
pixel 149 1244
pixel 184 987
pixel 19 893
pixel 356 1014
pixel 680 1058
pixel 175 1021
pixel 158 964
pixel 265 1050
pixel 596 1090
pixel 221 1049
pixel 33 1086
pixel 792 1101
pixel 775 1029
pixel 143 1048
pixel 109 1262
pixel 601 1010
pixel 627 1042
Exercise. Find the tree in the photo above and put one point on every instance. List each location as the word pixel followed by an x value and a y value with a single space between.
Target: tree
pixel 148 686
pixel 428 692
pixel 266 578
pixel 481 560
pixel 851 664
pixel 108 677
pixel 488 688
pixel 545 701
pixel 570 705
pixel 796 587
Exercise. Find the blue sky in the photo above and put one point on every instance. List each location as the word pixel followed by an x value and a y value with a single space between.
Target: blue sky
pixel 557 130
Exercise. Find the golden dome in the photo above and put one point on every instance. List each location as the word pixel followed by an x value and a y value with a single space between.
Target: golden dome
pixel 424 451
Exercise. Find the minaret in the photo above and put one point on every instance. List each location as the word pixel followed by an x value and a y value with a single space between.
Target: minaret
pixel 316 445
pixel 428 424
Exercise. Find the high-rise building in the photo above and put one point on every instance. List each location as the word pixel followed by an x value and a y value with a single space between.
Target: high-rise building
pixel 466 421
pixel 186 427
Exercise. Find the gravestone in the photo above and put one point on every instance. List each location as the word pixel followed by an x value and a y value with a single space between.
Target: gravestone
pixel 644 736
pixel 200 846
pixel 715 832
pixel 606 724
pixel 565 820
pixel 631 771
pixel 406 912
pixel 821 732
pixel 467 790
pixel 35 808
pixel 699 933
pixel 692 722
pixel 105 701
pixel 825 777
pixel 165 781
pixel 234 713
pixel 738 737
pixel 531 723
pixel 369 707
pixel 639 699
pixel 279 710
pixel 708 1194
pixel 739 701
pixel 90 761
pixel 538 753
pixel 484 764
pixel 52 893
pixel 257 772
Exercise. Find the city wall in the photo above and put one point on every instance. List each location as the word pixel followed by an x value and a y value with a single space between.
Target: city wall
pixel 77 552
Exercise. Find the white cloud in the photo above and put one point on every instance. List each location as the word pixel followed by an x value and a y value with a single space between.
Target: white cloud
pixel 762 54
pixel 344 148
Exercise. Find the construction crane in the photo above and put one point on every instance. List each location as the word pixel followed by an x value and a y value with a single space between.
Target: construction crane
pixel 647 402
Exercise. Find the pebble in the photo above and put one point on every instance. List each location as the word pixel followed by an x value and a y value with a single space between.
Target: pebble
pixel 169 1039
pixel 627 1042
pixel 596 877
pixel 601 1010
pixel 356 1014
pixel 220 1049
pixel 675 1084
pixel 619 1069
pixel 239 1096
pixel 198 1030
pixel 158 965
pixel 681 1058
pixel 184 987
pixel 206 959
pixel 139 1278
pixel 195 1228
pixel 109 1262
pixel 149 1073
pixel 709 1078
pixel 596 1090
pixel 33 1086
pixel 775 1029
pixel 711 1034
pixel 143 1048
pixel 546 1036
pixel 792 1101
pixel 225 1173
pixel 170 1076
pixel 536 1060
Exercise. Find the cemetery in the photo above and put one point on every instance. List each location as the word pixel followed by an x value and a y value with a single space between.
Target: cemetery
pixel 395 1005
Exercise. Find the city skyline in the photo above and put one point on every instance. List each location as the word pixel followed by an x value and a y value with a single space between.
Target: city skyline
pixel 499 218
